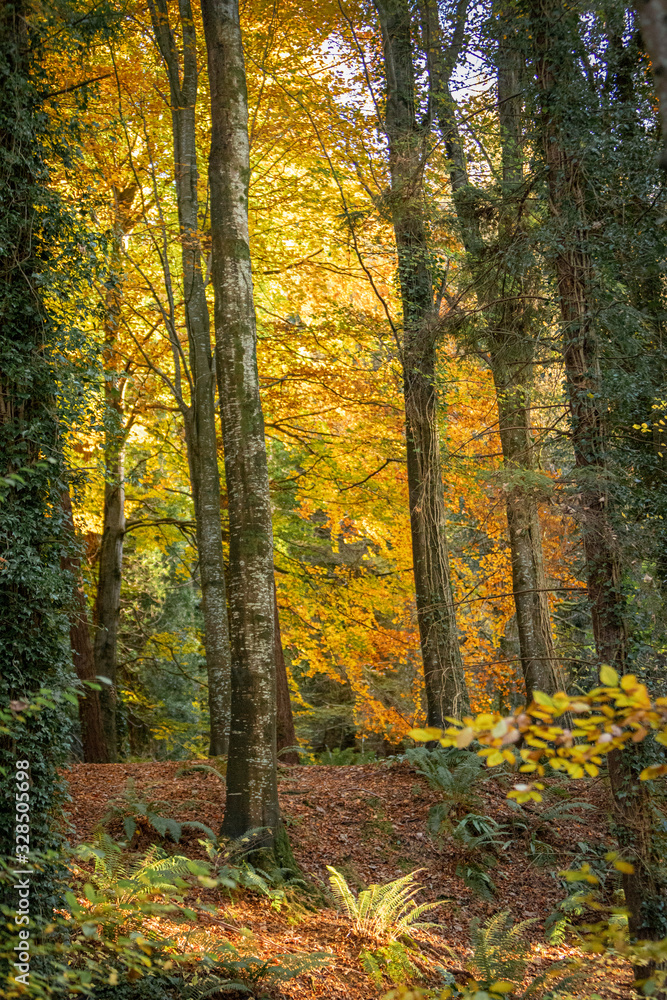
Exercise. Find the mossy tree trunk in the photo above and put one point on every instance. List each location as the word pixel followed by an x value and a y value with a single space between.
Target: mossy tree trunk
pixel 199 415
pixel 503 285
pixel 553 27
pixel 252 798
pixel 446 692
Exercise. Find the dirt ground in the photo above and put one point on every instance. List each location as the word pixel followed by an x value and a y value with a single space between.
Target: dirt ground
pixel 369 822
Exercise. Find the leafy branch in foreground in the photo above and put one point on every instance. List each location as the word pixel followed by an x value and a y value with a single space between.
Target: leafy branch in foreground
pixel 608 717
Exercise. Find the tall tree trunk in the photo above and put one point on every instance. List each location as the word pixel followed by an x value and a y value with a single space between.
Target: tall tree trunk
pixel 285 734
pixel 446 692
pixel 503 296
pixel 553 28
pixel 90 711
pixel 200 431
pixel 110 566
pixel 252 797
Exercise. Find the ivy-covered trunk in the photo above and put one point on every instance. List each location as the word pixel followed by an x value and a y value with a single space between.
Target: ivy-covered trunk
pixel 34 594
pixel 553 27
pixel 503 287
pixel 252 798
pixel 199 416
pixel 446 692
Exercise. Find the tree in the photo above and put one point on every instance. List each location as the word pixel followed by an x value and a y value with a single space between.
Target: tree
pixel 446 692
pixel 47 261
pixel 90 709
pixel 199 416
pixel 252 798
pixel 504 282
pixel 554 28
pixel 117 426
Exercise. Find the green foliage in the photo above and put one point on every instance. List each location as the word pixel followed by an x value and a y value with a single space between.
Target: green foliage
pixel 391 961
pixel 234 871
pixel 559 922
pixel 500 959
pixel 250 973
pixel 479 832
pixel 382 912
pixel 109 946
pixel 129 879
pixel 452 772
pixel 48 259
pixel 350 755
pixel 139 815
pixel 477 879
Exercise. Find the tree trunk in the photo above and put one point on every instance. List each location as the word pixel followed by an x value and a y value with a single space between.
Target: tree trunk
pixel 90 711
pixel 503 295
pixel 653 23
pixel 252 798
pixel 446 692
pixel 553 29
pixel 285 734
pixel 200 430
pixel 110 567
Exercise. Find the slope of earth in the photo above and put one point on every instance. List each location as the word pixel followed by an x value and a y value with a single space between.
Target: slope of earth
pixel 370 822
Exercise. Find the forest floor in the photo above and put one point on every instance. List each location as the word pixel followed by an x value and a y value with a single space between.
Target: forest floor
pixel 370 822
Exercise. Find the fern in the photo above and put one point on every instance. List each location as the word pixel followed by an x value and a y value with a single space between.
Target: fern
pixel 477 879
pixel 136 812
pixel 451 771
pixel 189 768
pixel 127 881
pixel 500 959
pixel 478 832
pixel 350 755
pixel 382 912
pixel 562 811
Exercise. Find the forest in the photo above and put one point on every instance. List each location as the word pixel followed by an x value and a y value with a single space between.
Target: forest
pixel 333 487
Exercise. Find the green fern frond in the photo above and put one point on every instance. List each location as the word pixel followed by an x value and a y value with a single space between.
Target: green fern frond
pixel 382 912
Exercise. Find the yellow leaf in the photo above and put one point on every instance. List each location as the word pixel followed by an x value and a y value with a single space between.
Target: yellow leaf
pixel 465 737
pixel 608 676
pixel 425 735
pixel 502 986
pixel 655 771
pixel 494 758
pixel 624 866
pixel 543 699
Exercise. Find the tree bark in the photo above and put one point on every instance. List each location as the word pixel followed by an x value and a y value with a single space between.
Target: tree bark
pixel 90 711
pixel 199 417
pixel 653 23
pixel 553 28
pixel 252 798
pixel 446 692
pixel 503 293
pixel 285 734
pixel 110 566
